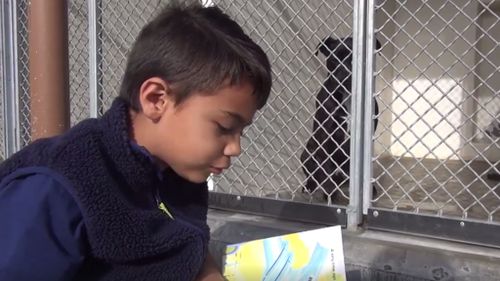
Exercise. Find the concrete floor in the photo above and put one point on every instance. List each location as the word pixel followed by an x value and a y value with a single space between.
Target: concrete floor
pixel 450 189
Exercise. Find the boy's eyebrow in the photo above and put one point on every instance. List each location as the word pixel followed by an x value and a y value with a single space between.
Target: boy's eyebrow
pixel 238 117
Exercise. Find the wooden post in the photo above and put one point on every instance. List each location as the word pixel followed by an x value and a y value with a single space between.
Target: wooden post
pixel 48 65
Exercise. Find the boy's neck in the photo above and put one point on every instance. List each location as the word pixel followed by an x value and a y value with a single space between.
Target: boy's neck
pixel 138 131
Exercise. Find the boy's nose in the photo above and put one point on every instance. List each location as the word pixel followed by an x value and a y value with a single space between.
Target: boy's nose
pixel 233 147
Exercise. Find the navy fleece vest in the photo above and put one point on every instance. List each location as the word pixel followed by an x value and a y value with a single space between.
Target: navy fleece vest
pixel 129 237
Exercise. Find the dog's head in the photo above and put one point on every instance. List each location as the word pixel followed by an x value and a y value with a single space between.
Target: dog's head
pixel 338 53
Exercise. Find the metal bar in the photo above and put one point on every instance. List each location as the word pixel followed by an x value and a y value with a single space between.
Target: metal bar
pixel 10 81
pixel 49 67
pixel 466 231
pixel 368 94
pixel 354 209
pixel 95 57
pixel 295 211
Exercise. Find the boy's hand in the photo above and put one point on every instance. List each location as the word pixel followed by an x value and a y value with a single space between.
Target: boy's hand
pixel 210 272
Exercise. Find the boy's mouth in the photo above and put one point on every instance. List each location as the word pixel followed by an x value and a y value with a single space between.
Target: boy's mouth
pixel 217 170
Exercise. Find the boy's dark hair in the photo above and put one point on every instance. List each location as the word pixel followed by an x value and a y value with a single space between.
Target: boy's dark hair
pixel 195 48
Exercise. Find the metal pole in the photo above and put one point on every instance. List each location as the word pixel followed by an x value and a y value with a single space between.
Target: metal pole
pixel 10 82
pixel 354 209
pixel 48 62
pixel 369 90
pixel 95 58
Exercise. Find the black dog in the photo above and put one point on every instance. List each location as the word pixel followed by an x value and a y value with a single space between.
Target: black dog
pixel 326 157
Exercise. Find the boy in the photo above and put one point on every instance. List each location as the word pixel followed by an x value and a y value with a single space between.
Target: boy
pixel 124 197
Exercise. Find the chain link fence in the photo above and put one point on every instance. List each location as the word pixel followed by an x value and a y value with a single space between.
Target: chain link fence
pixel 121 23
pixel 78 49
pixel 23 76
pixel 436 101
pixel 117 25
pixel 438 73
pixel 270 165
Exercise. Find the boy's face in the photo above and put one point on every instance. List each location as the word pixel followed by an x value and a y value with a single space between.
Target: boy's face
pixel 200 135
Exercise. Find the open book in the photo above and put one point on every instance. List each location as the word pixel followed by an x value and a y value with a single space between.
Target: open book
pixel 309 255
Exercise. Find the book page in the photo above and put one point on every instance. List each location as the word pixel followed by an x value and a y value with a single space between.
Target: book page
pixel 309 255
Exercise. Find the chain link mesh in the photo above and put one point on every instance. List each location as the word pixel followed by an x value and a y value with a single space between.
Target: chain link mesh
pixel 289 32
pixel 78 49
pixel 118 24
pixel 121 23
pixel 23 68
pixel 437 150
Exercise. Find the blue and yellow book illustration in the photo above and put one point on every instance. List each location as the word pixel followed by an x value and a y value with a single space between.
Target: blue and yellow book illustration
pixel 310 255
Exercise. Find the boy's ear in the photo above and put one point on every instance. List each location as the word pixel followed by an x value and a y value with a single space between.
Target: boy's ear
pixel 154 97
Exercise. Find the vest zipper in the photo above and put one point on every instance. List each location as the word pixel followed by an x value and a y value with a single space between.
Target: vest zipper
pixel 161 205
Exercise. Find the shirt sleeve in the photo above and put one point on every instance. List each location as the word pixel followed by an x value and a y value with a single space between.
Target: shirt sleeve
pixel 41 230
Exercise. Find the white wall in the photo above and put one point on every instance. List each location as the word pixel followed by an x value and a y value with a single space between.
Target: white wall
pixel 487 107
pixel 433 56
pixel 488 82
pixel 385 30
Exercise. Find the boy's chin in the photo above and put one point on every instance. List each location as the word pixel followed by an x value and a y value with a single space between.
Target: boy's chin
pixel 194 177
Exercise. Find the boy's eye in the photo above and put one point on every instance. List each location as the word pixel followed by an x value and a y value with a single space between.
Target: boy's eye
pixel 224 130
pixel 228 130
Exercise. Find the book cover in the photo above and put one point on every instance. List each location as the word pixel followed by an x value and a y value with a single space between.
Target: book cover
pixel 309 255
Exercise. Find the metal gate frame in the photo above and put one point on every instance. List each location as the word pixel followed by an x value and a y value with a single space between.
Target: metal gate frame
pixel 350 216
pixel 465 230
pixel 10 81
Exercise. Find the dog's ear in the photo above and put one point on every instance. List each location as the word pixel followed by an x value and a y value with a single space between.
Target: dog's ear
pixel 327 46
pixel 378 46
